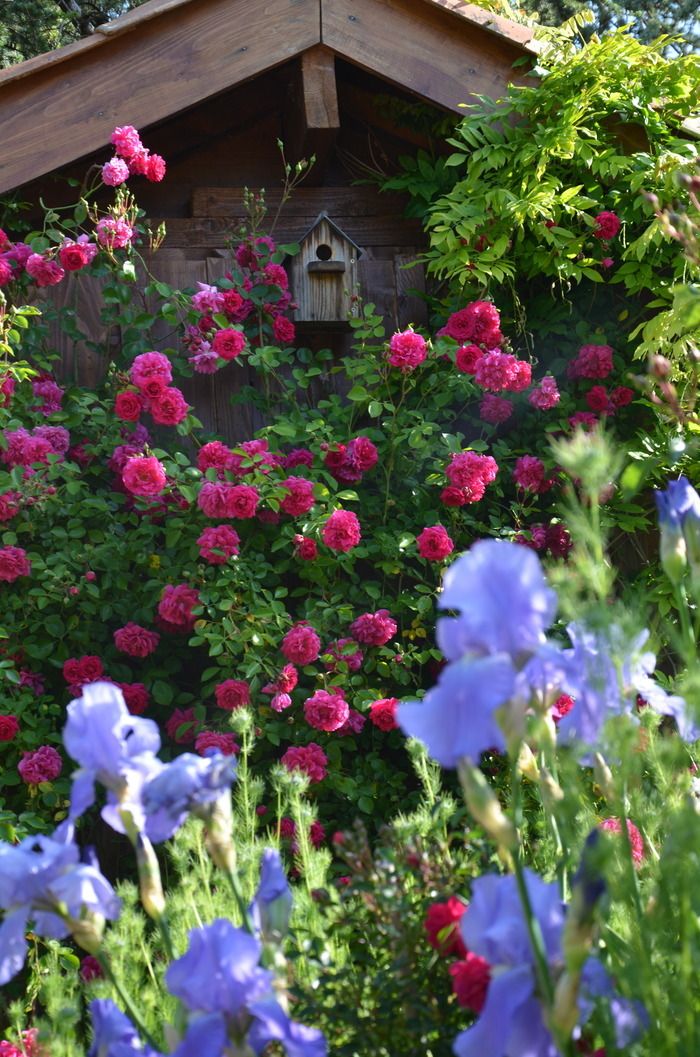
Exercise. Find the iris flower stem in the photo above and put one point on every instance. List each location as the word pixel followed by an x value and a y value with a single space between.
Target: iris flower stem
pixel 533 925
pixel 126 1000
pixel 681 600
pixel 240 901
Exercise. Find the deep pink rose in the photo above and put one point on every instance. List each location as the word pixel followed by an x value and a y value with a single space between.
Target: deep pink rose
pixel 301 644
pixel 299 498
pixel 607 225
pixel 229 343
pixel 42 765
pixel 383 713
pixel 407 350
pixel 374 629
pixel 218 543
pixel 13 564
pixel 326 711
pixel 342 531
pixel 176 605
pixel 128 405
pixel 169 407
pixel 310 759
pixel 211 739
pixel 143 475
pixel 232 694
pixel 434 543
pixel 135 640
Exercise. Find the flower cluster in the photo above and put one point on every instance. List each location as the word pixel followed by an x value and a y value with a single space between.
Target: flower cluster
pixel 469 475
pixel 132 159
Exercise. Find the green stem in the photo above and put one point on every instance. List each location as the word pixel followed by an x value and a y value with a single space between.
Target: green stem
pixel 240 901
pixel 126 1000
pixel 533 926
pixel 688 636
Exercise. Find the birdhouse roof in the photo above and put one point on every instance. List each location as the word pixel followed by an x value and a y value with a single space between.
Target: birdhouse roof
pixel 336 228
pixel 167 56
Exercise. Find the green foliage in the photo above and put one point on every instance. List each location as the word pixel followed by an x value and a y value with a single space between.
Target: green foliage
pixel 600 130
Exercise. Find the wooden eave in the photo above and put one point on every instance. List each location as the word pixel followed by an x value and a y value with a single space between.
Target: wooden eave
pixel 168 55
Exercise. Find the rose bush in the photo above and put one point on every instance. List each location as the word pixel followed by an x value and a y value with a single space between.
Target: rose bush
pixel 189 569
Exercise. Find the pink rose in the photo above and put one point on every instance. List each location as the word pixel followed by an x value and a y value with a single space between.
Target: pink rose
pixel 115 172
pixel 148 365
pixel 113 233
pixel 126 141
pixel 407 350
pixel 43 271
pixel 342 531
pixel 144 476
pixel 155 168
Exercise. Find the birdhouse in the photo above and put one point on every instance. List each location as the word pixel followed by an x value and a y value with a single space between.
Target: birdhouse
pixel 323 275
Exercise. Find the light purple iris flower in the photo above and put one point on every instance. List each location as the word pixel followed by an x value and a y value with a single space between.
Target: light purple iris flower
pixel 113 748
pixel 272 1024
pixel 39 877
pixel 272 904
pixel 190 784
pixel 220 972
pixel 503 601
pixel 456 718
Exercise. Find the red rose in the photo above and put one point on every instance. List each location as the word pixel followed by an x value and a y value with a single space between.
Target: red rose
pixel 228 343
pixel 232 694
pixel 128 405
pixel 470 981
pixel 135 640
pixel 383 713
pixel 9 728
pixel 442 927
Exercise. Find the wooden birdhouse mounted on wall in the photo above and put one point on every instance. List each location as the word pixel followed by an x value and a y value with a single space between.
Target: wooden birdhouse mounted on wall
pixel 323 275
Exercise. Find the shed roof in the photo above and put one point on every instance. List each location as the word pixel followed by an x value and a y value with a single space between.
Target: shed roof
pixel 168 55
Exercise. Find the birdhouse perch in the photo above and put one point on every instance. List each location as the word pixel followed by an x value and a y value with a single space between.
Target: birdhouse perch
pixel 323 275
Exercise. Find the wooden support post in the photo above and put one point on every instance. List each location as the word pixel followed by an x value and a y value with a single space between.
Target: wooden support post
pixel 312 121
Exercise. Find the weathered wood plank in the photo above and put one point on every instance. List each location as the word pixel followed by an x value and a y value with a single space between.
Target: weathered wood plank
pixel 422 47
pixel 353 201
pixel 210 233
pixel 409 276
pixel 174 61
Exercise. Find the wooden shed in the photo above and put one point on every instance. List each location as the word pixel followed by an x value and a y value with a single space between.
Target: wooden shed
pixel 214 84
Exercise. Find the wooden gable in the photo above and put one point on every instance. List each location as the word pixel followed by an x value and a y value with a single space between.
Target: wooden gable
pixel 169 55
